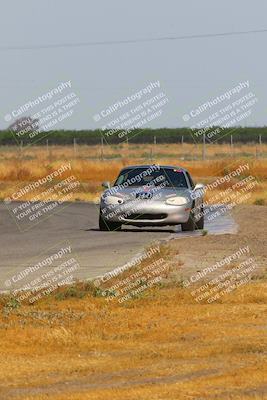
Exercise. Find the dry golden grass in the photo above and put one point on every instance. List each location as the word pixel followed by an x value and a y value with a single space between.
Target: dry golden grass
pixel 18 168
pixel 161 346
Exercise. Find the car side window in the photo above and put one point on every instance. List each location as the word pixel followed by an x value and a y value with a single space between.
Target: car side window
pixel 190 180
pixel 119 180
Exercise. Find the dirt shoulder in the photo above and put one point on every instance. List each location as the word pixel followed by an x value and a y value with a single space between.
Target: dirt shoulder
pixel 196 253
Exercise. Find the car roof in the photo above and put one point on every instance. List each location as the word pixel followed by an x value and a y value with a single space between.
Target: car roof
pixel 150 165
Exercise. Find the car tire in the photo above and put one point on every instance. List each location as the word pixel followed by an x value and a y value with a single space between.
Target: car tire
pixel 108 226
pixel 190 224
pixel 200 222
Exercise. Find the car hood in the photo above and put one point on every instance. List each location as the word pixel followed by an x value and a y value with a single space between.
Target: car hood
pixel 156 192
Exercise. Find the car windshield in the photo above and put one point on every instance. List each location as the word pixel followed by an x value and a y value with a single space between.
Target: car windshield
pixel 169 177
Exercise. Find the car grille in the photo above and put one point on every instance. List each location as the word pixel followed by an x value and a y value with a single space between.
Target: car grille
pixel 146 216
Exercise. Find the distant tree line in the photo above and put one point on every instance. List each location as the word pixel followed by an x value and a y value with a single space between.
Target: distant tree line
pixel 162 135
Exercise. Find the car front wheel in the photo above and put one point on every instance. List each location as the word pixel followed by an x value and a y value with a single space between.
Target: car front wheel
pixel 108 226
pixel 190 224
pixel 200 222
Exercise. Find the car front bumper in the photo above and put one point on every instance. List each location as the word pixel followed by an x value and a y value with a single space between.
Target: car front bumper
pixel 148 213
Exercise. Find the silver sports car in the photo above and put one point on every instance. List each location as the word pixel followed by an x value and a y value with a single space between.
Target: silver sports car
pixel 152 195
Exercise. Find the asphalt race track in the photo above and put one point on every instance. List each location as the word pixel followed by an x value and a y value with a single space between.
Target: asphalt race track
pixel 77 225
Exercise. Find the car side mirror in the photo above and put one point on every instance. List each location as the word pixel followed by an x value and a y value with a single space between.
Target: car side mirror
pixel 199 186
pixel 106 185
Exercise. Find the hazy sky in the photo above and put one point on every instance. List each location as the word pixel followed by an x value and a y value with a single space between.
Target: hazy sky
pixel 190 71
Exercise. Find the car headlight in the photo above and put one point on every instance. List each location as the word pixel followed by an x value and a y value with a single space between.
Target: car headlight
pixel 177 201
pixel 112 200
